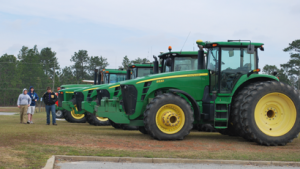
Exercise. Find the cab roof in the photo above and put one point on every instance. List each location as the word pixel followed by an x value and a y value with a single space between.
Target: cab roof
pixel 142 65
pixel 239 43
pixel 179 53
pixel 229 43
pixel 116 71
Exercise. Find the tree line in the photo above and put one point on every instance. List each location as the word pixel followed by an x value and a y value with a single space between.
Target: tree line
pixel 288 72
pixel 41 69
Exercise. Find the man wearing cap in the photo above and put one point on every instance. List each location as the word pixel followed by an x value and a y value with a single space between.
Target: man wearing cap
pixel 49 99
pixel 34 97
pixel 23 103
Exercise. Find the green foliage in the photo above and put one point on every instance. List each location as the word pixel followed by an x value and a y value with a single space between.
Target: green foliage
pixel 49 61
pixel 126 62
pixel 96 62
pixel 288 72
pixel 140 61
pixel 81 66
pixel 66 76
pixel 269 69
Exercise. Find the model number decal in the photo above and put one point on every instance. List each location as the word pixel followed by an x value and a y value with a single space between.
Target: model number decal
pixel 160 81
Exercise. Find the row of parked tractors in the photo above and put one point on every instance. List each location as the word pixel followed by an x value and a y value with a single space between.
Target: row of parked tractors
pixel 217 88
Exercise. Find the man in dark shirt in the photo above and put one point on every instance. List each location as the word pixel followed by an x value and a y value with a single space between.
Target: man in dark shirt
pixel 49 99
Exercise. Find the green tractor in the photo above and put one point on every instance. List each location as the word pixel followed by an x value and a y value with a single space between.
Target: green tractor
pixel 224 90
pixel 58 107
pixel 186 60
pixel 86 98
pixel 66 98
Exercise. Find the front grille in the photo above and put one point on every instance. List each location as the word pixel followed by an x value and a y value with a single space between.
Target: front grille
pixel 100 94
pixel 117 89
pixel 60 99
pixel 129 94
pixel 79 97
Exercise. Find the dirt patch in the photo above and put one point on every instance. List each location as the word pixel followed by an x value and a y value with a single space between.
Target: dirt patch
pixel 9 109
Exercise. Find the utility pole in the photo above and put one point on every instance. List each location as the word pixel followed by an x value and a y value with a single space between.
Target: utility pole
pixel 53 74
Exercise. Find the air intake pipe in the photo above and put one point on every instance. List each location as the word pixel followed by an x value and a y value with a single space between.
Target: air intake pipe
pixel 99 77
pixel 155 65
pixel 201 58
pixel 95 76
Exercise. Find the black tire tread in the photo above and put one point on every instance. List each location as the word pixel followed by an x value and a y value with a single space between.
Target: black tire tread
pixel 256 88
pixel 157 100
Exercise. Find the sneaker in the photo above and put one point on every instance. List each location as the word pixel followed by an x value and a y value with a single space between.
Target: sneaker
pixel 55 124
pixel 28 122
pixel 31 122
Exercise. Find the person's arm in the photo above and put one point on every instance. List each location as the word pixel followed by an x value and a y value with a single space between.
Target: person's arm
pixel 29 100
pixel 18 102
pixel 55 98
pixel 37 97
pixel 44 98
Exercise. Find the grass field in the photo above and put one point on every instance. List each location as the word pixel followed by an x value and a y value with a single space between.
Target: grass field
pixel 29 146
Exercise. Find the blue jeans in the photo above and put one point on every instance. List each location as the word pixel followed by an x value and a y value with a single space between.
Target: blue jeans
pixel 52 109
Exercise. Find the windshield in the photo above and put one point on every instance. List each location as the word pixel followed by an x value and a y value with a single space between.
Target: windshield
pixel 180 63
pixel 212 59
pixel 140 72
pixel 117 78
pixel 235 62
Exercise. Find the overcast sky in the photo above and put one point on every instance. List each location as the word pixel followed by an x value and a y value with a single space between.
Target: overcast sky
pixel 136 28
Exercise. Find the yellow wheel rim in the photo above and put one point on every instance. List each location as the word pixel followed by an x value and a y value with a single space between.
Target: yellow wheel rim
pixel 275 114
pixel 102 119
pixel 76 116
pixel 170 119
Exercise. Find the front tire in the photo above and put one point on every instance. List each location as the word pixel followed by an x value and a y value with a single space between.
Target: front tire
pixel 92 119
pixel 59 114
pixel 168 117
pixel 71 117
pixel 270 113
pixel 115 125
pixel 143 130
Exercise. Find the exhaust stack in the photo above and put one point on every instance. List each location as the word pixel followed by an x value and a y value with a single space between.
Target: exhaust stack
pixel 95 76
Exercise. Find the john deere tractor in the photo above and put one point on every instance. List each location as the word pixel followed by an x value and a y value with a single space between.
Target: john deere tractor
pixel 89 95
pixel 58 108
pixel 66 99
pixel 224 89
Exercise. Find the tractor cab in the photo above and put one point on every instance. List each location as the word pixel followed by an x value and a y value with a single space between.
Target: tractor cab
pixel 228 61
pixel 113 75
pixel 178 61
pixel 140 70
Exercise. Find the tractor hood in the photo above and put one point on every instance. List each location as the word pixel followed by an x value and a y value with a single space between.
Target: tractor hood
pixel 160 76
pixel 73 89
pixel 74 85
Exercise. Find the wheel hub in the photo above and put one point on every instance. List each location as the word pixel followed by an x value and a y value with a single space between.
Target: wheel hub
pixel 275 114
pixel 271 113
pixel 170 119
pixel 76 116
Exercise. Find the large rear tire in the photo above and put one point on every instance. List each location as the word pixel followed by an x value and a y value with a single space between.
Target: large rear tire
pixel 270 113
pixel 71 117
pixel 92 119
pixel 168 117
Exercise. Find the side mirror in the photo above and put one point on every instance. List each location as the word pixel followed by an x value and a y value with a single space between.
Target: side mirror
pixel 169 62
pixel 250 49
